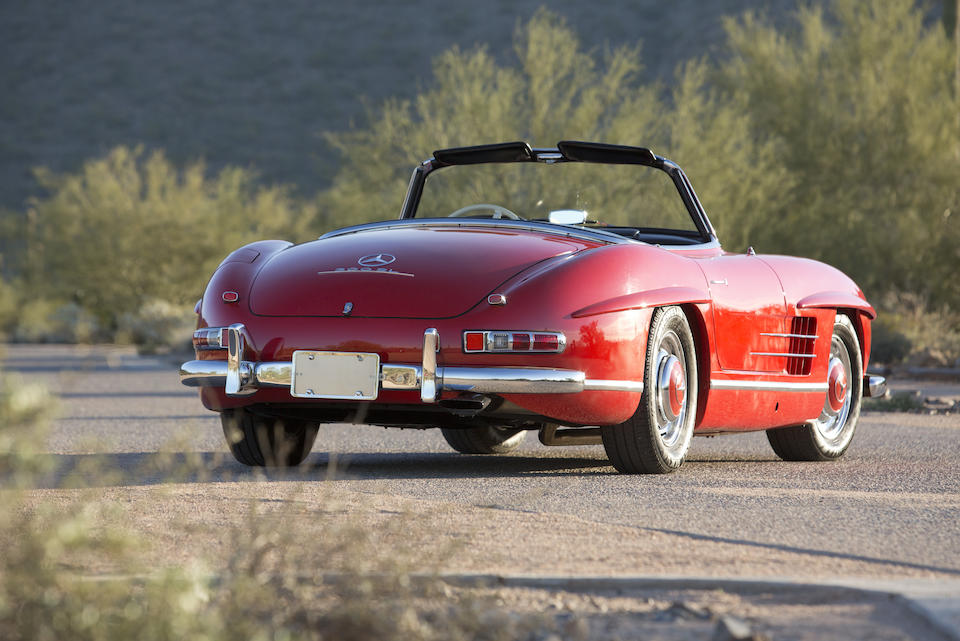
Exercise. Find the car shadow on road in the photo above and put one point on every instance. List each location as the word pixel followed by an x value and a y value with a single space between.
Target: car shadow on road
pixel 155 468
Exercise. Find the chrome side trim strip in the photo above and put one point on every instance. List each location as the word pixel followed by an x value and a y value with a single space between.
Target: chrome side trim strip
pixel 767 386
pixel 812 337
pixel 510 380
pixel 787 354
pixel 613 386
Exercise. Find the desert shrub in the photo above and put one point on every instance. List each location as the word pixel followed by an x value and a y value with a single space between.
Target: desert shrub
pixel 932 331
pixel 41 320
pixel 889 346
pixel 157 326
pixel 9 307
pixel 25 409
pixel 131 227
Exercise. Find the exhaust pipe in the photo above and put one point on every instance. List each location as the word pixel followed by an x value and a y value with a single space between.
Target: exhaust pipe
pixel 466 405
pixel 551 434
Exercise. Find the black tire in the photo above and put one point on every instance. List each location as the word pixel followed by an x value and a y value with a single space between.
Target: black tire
pixel 827 437
pixel 486 439
pixel 656 438
pixel 264 441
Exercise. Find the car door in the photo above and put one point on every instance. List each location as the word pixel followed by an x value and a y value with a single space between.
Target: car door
pixel 749 310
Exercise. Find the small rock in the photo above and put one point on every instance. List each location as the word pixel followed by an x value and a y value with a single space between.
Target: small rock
pixel 689 610
pixel 733 629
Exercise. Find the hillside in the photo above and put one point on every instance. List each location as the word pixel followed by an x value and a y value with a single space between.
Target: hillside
pixel 256 83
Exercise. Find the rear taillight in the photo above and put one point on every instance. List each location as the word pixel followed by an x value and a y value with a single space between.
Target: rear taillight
pixel 513 342
pixel 210 338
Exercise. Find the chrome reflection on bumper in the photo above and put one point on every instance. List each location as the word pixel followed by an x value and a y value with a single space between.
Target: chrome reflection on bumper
pixel 241 378
pixel 874 386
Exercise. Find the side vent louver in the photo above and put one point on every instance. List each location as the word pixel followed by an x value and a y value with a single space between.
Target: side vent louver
pixel 803 336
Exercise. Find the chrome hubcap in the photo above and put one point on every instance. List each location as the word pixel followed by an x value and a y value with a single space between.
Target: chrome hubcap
pixel 836 386
pixel 671 393
pixel 836 408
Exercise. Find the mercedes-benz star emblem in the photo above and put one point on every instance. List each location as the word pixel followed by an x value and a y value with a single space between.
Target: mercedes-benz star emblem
pixel 376 260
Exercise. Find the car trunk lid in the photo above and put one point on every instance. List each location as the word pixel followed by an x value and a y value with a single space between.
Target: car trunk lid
pixel 406 272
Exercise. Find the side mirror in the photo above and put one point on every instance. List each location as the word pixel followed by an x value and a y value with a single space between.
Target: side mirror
pixel 567 217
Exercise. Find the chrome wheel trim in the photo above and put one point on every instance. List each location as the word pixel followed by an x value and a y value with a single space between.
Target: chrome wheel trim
pixel 830 424
pixel 669 424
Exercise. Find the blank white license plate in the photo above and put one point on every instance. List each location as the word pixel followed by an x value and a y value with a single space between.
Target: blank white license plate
pixel 335 375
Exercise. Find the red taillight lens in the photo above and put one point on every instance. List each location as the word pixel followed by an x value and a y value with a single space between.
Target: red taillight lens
pixel 521 342
pixel 546 343
pixel 473 341
pixel 513 342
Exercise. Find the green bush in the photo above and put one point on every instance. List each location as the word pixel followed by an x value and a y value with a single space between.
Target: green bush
pixel 9 308
pixel 889 346
pixel 157 326
pixel 556 91
pixel 860 99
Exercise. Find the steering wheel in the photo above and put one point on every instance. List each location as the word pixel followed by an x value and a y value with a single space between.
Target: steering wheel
pixel 499 211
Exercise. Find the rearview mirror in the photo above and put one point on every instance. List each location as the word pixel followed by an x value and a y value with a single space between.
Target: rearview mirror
pixel 567 217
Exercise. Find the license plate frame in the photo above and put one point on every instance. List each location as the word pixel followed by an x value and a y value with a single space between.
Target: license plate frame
pixel 348 376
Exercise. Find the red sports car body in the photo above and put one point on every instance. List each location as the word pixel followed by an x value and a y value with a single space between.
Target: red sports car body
pixel 579 291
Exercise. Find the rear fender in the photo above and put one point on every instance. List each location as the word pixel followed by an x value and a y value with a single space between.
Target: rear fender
pixel 235 274
pixel 650 298
pixel 609 279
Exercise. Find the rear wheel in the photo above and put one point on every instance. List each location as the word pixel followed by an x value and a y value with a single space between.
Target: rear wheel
pixel 485 439
pixel 828 436
pixel 656 438
pixel 261 441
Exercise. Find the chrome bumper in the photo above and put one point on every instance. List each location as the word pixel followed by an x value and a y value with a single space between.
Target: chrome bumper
pixel 242 378
pixel 874 386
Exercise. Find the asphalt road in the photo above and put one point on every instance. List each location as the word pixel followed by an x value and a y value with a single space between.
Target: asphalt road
pixel 888 509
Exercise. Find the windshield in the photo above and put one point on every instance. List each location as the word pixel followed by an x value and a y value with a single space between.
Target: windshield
pixel 610 195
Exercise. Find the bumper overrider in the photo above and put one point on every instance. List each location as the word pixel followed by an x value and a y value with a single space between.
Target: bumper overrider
pixel 242 378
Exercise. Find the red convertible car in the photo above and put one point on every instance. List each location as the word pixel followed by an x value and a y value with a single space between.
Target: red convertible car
pixel 578 290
